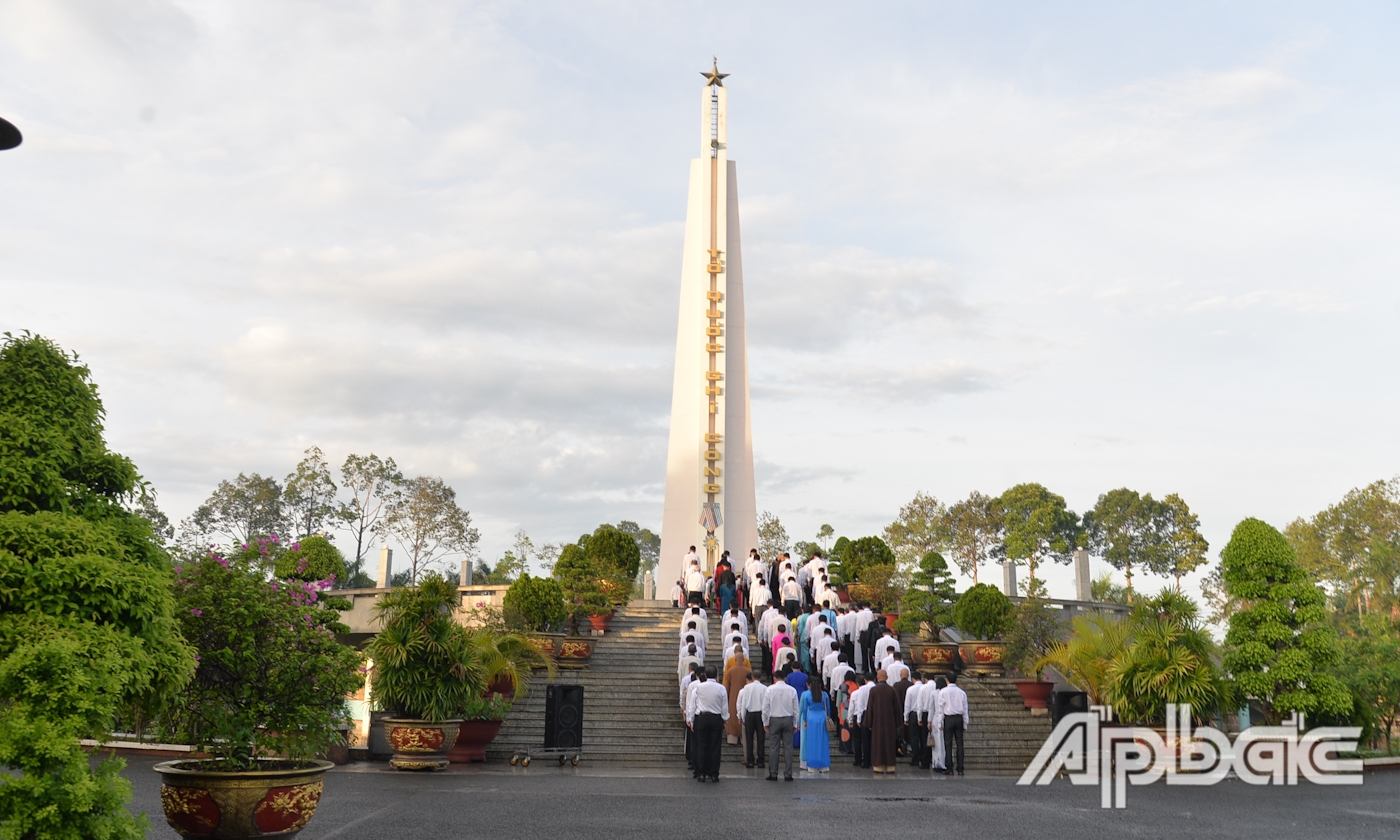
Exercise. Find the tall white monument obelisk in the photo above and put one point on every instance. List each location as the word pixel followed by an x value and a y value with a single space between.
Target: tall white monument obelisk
pixel 709 466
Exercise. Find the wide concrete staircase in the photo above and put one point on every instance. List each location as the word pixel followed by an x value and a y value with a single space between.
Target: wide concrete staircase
pixel 631 706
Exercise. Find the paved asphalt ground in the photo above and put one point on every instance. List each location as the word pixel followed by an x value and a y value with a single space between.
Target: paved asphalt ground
pixel 607 801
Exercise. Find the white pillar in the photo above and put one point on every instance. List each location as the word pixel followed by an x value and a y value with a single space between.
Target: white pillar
pixel 386 567
pixel 710 455
pixel 1008 578
pixel 465 578
pixel 1083 588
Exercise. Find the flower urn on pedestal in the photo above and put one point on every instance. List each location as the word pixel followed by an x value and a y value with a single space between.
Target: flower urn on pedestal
pixel 420 744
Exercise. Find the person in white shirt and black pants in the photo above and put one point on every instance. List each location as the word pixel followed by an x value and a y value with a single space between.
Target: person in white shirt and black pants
pixel 749 707
pixel 954 704
pixel 779 716
pixel 706 711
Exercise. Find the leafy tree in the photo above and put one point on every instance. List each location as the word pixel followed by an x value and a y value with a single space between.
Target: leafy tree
pixel 881 585
pixel 862 554
pixel 647 542
pixel 311 559
pixel 146 508
pixel 1278 648
pixel 250 506
pixel 803 550
pixel 427 522
pixel 308 495
pixel 919 529
pixel 973 527
pixel 1337 546
pixel 1037 527
pixel 1120 529
pixel 983 611
pixel 87 624
pixel 614 553
pixel 1180 547
pixel 772 536
pixel 824 535
pixel 374 485
pixel 928 602
pixel 1370 666
pixel 536 604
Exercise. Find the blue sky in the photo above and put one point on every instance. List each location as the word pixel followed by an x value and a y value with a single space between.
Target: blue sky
pixel 1091 245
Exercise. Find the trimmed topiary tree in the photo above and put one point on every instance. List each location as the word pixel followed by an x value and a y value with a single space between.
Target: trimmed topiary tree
pixel 983 612
pixel 614 553
pixel 1279 649
pixel 87 624
pixel 535 604
pixel 862 554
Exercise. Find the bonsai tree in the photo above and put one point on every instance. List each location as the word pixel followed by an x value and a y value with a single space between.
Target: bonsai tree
pixel 1279 649
pixel 582 585
pixel 834 568
pixel 928 602
pixel 983 612
pixel 87 616
pixel 1170 659
pixel 1087 655
pixel 425 663
pixel 272 679
pixel 1034 631
pixel 534 604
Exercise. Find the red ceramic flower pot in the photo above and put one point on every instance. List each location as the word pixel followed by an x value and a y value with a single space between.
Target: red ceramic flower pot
pixel 472 739
pixel 1035 693
pixel 600 622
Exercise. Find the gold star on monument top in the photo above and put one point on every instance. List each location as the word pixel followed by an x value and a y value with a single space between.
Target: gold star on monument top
pixel 713 76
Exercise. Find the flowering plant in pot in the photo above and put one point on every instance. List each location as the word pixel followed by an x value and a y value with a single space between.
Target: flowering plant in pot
pixel 426 669
pixel 267 696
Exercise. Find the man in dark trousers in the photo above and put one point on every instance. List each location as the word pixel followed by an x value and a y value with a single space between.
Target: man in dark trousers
pixel 706 712
pixel 954 701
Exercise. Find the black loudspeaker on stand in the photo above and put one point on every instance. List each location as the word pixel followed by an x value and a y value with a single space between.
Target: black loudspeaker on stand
pixel 563 717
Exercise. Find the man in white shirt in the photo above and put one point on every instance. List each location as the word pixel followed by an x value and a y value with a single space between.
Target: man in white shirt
pixel 792 598
pixel 678 594
pixel 896 670
pixel 691 559
pixel 955 719
pixel 694 584
pixel 864 618
pixel 827 667
pixel 749 707
pixel 764 631
pixel 779 717
pixel 932 716
pixel 855 716
pixel 735 616
pixel 692 655
pixel 707 708
pixel 885 647
pixel 836 674
pixel 913 726
pixel 742 639
pixel 690 679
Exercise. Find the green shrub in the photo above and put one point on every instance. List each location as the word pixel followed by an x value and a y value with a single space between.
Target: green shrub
pixel 425 664
pixel 928 602
pixel 984 612
pixel 87 618
pixel 535 604
pixel 862 554
pixel 614 553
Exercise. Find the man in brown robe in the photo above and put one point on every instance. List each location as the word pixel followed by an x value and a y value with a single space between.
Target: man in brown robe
pixel 885 716
pixel 734 678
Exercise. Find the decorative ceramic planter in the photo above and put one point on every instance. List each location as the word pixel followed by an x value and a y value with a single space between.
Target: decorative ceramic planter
pixel 574 652
pixel 890 619
pixel 600 623
pixel 420 744
pixel 237 804
pixel 1035 693
pixel 472 739
pixel 935 657
pixel 547 643
pixel 502 685
pixel 983 657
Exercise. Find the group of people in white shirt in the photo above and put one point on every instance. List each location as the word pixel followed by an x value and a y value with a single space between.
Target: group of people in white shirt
pixel 830 657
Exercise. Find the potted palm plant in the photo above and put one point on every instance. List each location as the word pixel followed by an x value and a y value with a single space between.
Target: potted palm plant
pixel 984 613
pixel 426 669
pixel 507 661
pixel 1170 658
pixel 267 697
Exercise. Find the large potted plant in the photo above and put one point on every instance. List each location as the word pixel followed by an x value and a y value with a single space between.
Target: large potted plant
pixel 1035 630
pixel 583 585
pixel 426 669
pixel 535 606
pixel 482 719
pixel 926 609
pixel 507 660
pixel 1170 658
pixel 267 697
pixel 983 612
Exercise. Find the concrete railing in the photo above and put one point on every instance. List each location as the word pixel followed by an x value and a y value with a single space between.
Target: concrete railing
pixel 360 616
